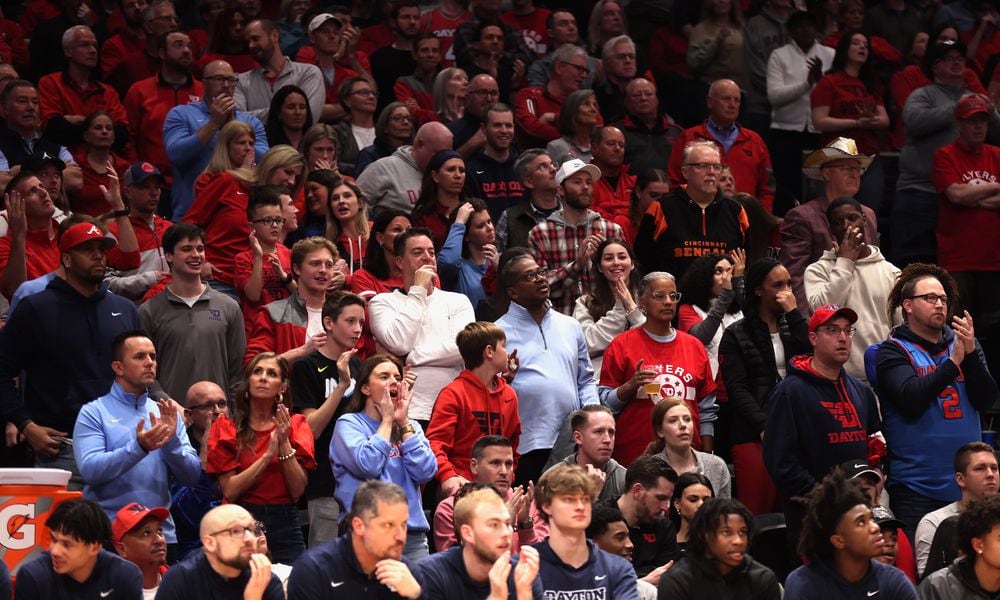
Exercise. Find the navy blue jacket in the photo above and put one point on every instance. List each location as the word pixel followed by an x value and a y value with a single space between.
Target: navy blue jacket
pixel 194 577
pixel 61 340
pixel 818 581
pixel 443 575
pixel 814 424
pixel 330 571
pixel 113 578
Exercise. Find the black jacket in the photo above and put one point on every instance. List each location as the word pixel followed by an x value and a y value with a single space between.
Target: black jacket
pixel 697 578
pixel 957 582
pixel 748 368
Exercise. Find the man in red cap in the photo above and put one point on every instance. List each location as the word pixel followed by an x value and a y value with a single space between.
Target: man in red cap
pixel 137 534
pixel 819 415
pixel 967 178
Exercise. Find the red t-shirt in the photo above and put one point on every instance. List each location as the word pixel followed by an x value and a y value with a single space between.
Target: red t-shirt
pixel 443 29
pixel 41 254
pixel 532 27
pixel 966 235
pixel 270 487
pixel 683 371
pixel 273 289
pixel 220 208
pixel 848 98
pixel 90 199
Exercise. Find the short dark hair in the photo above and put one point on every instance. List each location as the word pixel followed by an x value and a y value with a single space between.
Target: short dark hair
pixel 648 470
pixel 710 517
pixel 12 85
pixel 161 41
pixel 336 302
pixel 82 520
pixel 181 231
pixel 16 180
pixel 976 521
pixel 370 493
pixel 827 504
pixel 398 5
pixel 399 244
pixel 489 441
pixel 264 195
pixel 579 418
pixel 474 338
pixel 844 201
pixel 963 456
pixel 602 515
pixel 118 345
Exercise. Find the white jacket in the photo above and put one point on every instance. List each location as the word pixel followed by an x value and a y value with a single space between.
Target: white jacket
pixel 861 285
pixel 788 86
pixel 598 334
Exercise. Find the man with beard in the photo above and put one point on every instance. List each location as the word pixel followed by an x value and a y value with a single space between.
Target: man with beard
pixel 395 60
pixel 131 39
pixel 819 415
pixel 490 171
pixel 566 241
pixel 613 191
pixel 692 220
pixel 932 384
pixel 482 565
pixel 121 455
pixel 66 329
pixel 159 19
pixel 148 101
pixel 198 330
pixel 649 485
pixel 137 533
pixel 555 376
pixel 254 89
pixel 228 568
pixel 593 429
pixel 368 561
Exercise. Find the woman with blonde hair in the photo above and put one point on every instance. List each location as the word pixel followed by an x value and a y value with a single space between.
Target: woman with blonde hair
pixel 319 146
pixel 285 166
pixel 347 223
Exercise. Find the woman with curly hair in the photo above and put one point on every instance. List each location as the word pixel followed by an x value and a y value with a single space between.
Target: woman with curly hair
pixel 716 564
pixel 713 289
pixel 261 455
pixel 840 539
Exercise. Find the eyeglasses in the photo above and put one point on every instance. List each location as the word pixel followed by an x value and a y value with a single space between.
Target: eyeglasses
pixel 717 167
pixel 219 404
pixel 270 221
pixel 220 79
pixel 238 532
pixel 624 56
pixel 484 93
pixel 836 331
pixel 531 275
pixel 661 297
pixel 365 92
pixel 401 118
pixel 582 70
pixel 933 299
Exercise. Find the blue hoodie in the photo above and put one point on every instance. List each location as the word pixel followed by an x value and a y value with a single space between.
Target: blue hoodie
pixel 116 469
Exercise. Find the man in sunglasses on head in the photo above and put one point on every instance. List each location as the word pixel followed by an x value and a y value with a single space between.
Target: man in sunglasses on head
pixel 932 382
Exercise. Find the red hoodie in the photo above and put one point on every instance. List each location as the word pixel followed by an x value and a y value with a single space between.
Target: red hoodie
pixel 220 208
pixel 466 411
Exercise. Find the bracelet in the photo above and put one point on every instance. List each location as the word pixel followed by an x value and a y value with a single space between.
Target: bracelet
pixel 288 279
pixel 408 429
pixel 287 456
pixel 122 213
pixel 529 523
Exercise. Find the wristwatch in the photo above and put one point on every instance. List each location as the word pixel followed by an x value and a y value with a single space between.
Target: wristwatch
pixel 122 213
pixel 408 429
pixel 529 523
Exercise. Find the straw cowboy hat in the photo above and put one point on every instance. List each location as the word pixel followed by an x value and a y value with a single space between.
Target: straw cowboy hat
pixel 839 149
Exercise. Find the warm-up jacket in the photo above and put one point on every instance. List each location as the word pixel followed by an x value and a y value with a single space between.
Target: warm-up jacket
pixel 957 582
pixel 814 424
pixel 279 327
pixel 697 578
pixel 465 411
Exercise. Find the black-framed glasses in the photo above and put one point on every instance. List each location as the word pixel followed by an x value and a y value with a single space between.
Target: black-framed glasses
pixel 219 404
pixel 717 167
pixel 270 221
pixel 533 275
pixel 220 79
pixel 238 532
pixel 933 299
pixel 836 331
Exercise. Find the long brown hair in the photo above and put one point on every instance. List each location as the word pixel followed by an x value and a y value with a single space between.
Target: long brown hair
pixel 245 435
pixel 659 413
pixel 359 399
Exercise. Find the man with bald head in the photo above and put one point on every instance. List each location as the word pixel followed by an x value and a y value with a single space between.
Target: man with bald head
pixel 468 131
pixel 190 132
pixel 613 191
pixel 229 568
pixel 649 135
pixel 395 181
pixel 743 150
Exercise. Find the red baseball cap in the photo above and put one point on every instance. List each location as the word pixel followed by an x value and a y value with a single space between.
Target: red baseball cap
pixel 82 233
pixel 971 106
pixel 131 515
pixel 825 314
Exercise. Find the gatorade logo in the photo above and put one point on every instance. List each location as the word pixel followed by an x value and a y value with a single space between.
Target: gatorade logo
pixel 17 532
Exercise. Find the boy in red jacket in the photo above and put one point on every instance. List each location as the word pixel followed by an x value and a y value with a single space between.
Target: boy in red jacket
pixel 478 402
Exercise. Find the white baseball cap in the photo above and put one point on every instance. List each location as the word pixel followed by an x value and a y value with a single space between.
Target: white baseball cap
pixel 574 166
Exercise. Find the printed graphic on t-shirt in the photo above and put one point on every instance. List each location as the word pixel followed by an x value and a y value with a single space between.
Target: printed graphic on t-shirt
pixel 670 382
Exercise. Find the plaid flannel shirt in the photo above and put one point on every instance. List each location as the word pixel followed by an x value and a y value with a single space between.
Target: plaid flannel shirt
pixel 555 243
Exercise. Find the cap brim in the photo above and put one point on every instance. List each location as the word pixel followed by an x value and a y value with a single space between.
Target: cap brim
pixel 159 512
pixel 890 524
pixel 812 167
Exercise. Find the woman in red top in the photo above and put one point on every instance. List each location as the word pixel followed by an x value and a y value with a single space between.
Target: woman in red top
pixel 96 159
pixel 847 102
pixel 261 455
pixel 286 167
pixel 380 273
pixel 347 222
pixel 441 193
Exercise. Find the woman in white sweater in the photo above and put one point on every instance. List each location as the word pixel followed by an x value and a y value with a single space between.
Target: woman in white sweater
pixel 610 308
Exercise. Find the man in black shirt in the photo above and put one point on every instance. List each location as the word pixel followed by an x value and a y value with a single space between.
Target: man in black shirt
pixel 649 484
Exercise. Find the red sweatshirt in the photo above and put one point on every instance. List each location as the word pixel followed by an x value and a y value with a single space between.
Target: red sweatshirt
pixel 466 411
pixel 220 208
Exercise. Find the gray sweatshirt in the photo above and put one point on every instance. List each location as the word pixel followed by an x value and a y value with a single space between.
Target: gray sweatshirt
pixel 392 182
pixel 929 124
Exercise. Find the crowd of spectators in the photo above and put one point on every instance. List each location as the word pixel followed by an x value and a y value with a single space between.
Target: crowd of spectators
pixel 475 298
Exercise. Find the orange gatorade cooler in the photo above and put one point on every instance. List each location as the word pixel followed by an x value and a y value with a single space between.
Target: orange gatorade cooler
pixel 27 497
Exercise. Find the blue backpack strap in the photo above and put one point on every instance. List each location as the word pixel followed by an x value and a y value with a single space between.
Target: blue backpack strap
pixel 870 371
